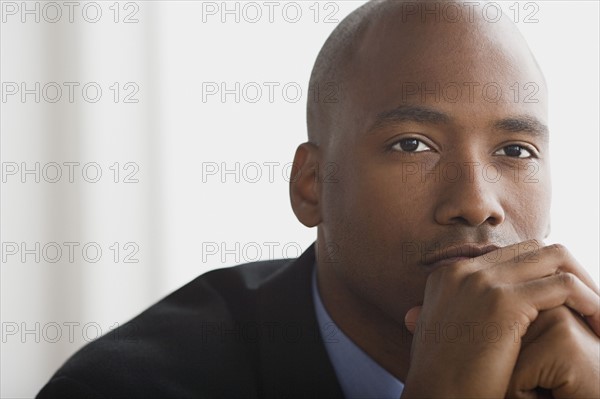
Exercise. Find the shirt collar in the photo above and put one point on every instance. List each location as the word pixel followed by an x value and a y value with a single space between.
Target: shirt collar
pixel 358 374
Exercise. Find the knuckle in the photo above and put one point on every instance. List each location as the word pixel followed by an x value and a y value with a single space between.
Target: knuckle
pixel 449 273
pixel 530 257
pixel 564 325
pixel 559 249
pixel 436 275
pixel 479 279
pixel 567 279
pixel 497 299
pixel 437 278
pixel 556 316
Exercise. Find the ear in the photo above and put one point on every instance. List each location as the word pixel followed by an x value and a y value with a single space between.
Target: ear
pixel 305 187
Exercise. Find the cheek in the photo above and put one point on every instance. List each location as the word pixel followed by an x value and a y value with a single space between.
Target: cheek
pixel 382 205
pixel 527 205
pixel 369 217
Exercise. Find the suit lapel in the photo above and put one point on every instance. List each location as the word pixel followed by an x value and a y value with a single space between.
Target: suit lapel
pixel 293 361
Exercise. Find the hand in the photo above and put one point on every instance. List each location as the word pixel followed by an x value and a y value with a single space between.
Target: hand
pixel 559 353
pixel 467 338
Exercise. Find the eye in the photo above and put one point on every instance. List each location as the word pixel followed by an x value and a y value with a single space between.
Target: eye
pixel 515 151
pixel 410 145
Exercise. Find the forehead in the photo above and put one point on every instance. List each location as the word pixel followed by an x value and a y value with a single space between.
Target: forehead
pixel 473 71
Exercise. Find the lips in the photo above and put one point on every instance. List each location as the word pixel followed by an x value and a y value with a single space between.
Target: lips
pixel 455 253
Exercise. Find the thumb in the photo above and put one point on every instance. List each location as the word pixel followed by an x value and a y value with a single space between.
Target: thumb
pixel 411 317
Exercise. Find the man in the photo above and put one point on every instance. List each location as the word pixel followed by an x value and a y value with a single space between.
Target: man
pixel 429 276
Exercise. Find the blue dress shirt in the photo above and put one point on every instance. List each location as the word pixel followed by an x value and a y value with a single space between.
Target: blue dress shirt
pixel 358 374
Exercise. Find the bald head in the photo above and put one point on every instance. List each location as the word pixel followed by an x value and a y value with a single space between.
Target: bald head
pixel 329 65
pixel 425 42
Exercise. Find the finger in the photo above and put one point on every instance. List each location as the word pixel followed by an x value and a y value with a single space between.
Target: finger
pixel 527 374
pixel 561 289
pixel 542 369
pixel 411 317
pixel 533 263
pixel 525 394
pixel 544 322
pixel 511 253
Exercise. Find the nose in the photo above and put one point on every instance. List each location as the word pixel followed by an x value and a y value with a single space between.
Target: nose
pixel 471 199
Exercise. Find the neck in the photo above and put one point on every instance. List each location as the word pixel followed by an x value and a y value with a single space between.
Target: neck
pixel 381 337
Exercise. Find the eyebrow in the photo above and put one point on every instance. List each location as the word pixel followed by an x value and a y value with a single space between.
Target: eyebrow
pixel 420 114
pixel 410 113
pixel 524 124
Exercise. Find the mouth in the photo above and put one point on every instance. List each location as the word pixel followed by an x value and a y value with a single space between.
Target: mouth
pixel 456 253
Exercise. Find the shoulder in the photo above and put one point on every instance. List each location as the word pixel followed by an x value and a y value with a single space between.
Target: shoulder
pixel 192 340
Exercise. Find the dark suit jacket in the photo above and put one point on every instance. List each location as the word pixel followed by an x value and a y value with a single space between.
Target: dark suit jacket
pixel 248 331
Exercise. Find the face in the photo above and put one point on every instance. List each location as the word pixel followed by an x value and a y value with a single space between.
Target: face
pixel 442 143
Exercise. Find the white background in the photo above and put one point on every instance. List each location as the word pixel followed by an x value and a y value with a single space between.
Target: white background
pixel 171 134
